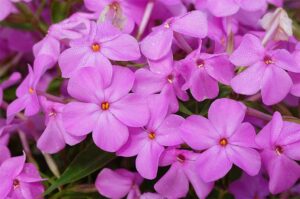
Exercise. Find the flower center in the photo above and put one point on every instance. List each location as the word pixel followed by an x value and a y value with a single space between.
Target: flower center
pixel 200 63
pixel 268 60
pixel 151 135
pixel 16 183
pixel 223 142
pixel 96 47
pixel 279 150
pixel 104 106
pixel 170 78
pixel 52 113
pixel 31 90
pixel 114 6
pixel 180 158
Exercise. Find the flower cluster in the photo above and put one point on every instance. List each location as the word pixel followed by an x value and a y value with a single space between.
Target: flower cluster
pixel 194 99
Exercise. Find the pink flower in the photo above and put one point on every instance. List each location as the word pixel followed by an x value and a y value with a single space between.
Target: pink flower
pixel 225 139
pixel 55 137
pixel 250 187
pixel 203 71
pixel 8 7
pixel 4 153
pixel 266 70
pixel 175 183
pixel 148 142
pixel 107 111
pixel 280 142
pixel 118 183
pixel 27 97
pixel 163 77
pixel 103 42
pixel 20 180
pixel 158 43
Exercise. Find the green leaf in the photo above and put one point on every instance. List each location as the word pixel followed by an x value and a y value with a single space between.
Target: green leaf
pixel 59 11
pixel 86 162
pixel 184 109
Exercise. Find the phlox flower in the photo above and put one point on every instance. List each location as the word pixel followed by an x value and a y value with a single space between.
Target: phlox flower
pixel 225 139
pixel 266 70
pixel 8 7
pixel 107 111
pixel 4 153
pixel 158 43
pixel 27 97
pixel 280 142
pixel 161 77
pixel 118 183
pixel 20 180
pixel 54 138
pixel 250 187
pixel 175 182
pixel 103 42
pixel 148 142
pixel 203 71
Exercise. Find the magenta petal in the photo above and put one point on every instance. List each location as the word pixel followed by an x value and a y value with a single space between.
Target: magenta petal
pixel 249 81
pixel 174 184
pixel 253 5
pixel 6 8
pixel 267 137
pixel 121 83
pixel 276 85
pixel 128 108
pixel 112 185
pixel 15 107
pixel 109 133
pixel 51 140
pixel 198 132
pixel 5 153
pixel 87 85
pixel 214 164
pixel 222 8
pixel 157 44
pixel 244 136
pixel 30 174
pixel 249 52
pixel 193 24
pixel 203 86
pixel 168 133
pixel 292 151
pixel 149 155
pixel 201 188
pixel 158 108
pixel 121 48
pixel 246 158
pixel 80 118
pixel 147 82
pixel 285 60
pixel 136 141
pixel 226 115
pixel 283 172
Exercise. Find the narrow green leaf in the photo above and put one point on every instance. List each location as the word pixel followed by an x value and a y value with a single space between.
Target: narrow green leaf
pixel 86 162
pixel 184 109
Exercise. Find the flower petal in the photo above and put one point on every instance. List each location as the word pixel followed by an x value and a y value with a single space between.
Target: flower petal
pixel 226 115
pixel 285 60
pixel 214 164
pixel 222 8
pixel 198 132
pixel 244 136
pixel 149 155
pixel 174 184
pixel 276 85
pixel 109 133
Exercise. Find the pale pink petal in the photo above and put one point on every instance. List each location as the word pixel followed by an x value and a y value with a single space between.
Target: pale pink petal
pixel 222 8
pixel 253 5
